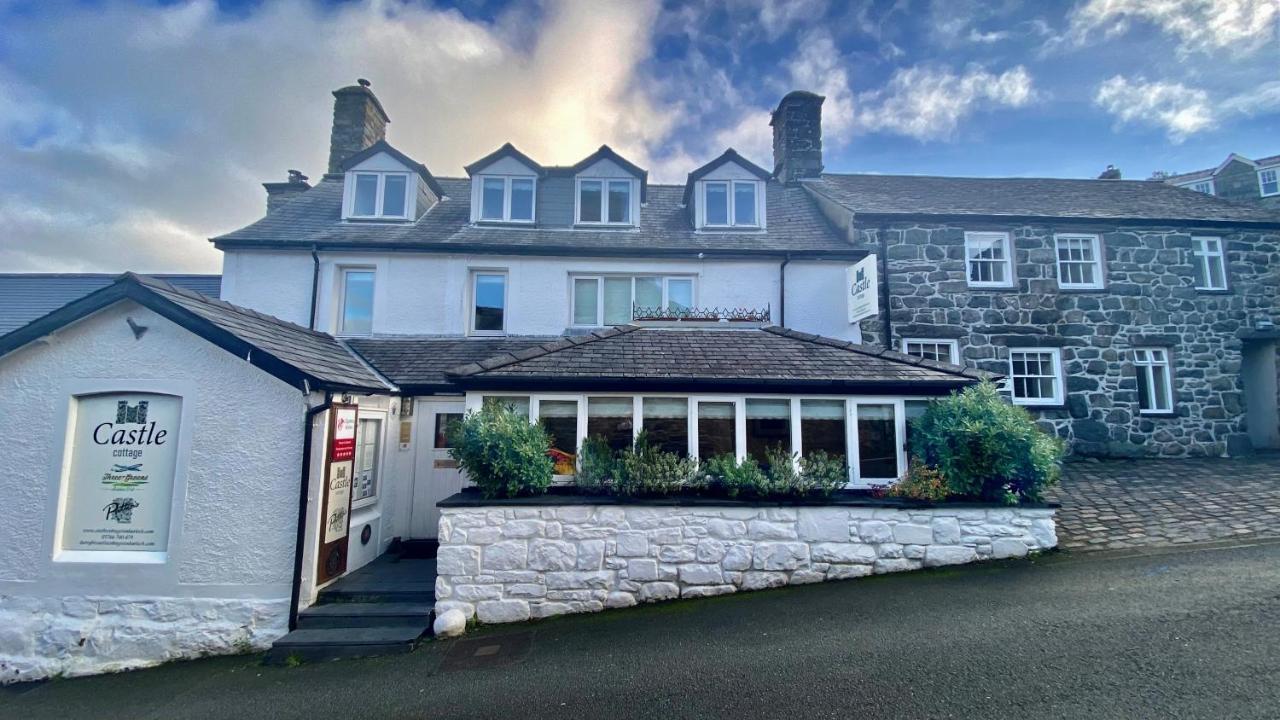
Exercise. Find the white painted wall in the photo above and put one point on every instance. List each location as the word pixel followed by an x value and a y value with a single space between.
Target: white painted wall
pixel 225 586
pixel 429 294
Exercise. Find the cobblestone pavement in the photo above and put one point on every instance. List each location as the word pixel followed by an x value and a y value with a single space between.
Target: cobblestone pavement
pixel 1132 503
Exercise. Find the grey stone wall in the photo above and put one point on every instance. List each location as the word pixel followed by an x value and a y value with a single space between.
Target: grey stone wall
pixel 1149 299
pixel 358 122
pixel 504 564
pixel 797 136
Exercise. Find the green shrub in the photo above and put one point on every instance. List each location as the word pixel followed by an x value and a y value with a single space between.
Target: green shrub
pixel 922 483
pixel 725 474
pixel 597 466
pixel 781 476
pixel 502 452
pixel 822 474
pixel 987 448
pixel 643 469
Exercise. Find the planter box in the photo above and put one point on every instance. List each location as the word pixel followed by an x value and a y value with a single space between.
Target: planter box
pixel 512 560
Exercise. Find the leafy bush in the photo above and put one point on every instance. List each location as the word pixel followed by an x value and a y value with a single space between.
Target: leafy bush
pixel 822 474
pixel 502 452
pixel 643 469
pixel 922 483
pixel 981 444
pixel 725 474
pixel 818 474
pixel 597 466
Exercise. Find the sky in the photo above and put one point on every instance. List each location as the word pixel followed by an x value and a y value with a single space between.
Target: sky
pixel 131 131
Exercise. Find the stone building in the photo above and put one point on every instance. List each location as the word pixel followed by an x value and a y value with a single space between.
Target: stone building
pixel 1237 178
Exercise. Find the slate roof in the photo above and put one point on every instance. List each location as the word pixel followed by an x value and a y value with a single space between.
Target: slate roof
pixel 290 352
pixel 1206 173
pixel 762 360
pixel 27 296
pixel 1141 200
pixel 419 363
pixel 795 225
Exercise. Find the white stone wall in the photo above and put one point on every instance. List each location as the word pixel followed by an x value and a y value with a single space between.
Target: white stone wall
pixel 507 564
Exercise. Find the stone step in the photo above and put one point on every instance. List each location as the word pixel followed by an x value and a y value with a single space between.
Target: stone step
pixel 338 615
pixel 418 594
pixel 320 644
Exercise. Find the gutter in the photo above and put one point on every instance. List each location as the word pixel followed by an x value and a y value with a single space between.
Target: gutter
pixel 884 288
pixel 315 286
pixel 304 490
pixel 782 291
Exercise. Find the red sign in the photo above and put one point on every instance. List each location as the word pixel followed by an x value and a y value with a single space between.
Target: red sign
pixel 344 434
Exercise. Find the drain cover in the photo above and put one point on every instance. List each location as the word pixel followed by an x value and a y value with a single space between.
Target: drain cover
pixel 488 652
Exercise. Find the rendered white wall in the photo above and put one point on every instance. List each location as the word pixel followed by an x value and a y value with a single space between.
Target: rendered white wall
pixel 226 584
pixel 275 283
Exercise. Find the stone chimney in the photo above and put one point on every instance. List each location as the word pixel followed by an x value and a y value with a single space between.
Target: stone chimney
pixel 358 122
pixel 797 136
pixel 278 192
pixel 1111 173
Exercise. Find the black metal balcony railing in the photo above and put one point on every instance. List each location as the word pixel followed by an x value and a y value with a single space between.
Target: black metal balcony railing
pixel 712 314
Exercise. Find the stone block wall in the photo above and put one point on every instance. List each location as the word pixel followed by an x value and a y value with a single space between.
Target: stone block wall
pixel 1149 299
pixel 508 564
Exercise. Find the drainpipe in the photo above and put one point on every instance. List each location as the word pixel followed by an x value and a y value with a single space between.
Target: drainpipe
pixel 304 489
pixel 884 288
pixel 315 285
pixel 782 291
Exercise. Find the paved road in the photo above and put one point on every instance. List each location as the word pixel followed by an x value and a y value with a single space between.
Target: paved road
pixel 1191 633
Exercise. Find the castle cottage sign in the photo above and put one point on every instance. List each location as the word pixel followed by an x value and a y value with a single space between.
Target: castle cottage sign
pixel 119 490
pixel 862 292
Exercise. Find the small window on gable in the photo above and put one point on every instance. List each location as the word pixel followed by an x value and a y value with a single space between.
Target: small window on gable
pixel 604 202
pixel 379 195
pixel 506 199
pixel 1204 186
pixel 728 203
pixel 1269 181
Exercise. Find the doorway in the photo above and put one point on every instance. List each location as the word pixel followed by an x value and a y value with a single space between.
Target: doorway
pixel 1260 393
pixel 436 476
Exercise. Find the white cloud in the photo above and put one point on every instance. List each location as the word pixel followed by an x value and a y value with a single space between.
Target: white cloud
pixel 1238 27
pixel 928 103
pixel 819 67
pixel 135 133
pixel 1180 110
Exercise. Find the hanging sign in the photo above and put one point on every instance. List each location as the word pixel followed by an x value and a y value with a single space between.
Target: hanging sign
pixel 335 508
pixel 862 292
pixel 124 452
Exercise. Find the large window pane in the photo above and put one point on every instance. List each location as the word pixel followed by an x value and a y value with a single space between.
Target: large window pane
pixel 822 426
pixel 666 424
pixel 357 302
pixel 560 418
pixel 877 442
pixel 649 292
pixel 393 192
pixel 522 199
pixel 715 429
pixel 368 438
pixel 717 210
pixel 611 418
pixel 492 198
pixel 679 294
pixel 617 300
pixel 491 302
pixel 366 202
pixel 518 403
pixel 589 201
pixel 768 426
pixel 744 203
pixel 620 201
pixel 586 301
pixel 444 421
pixel 914 409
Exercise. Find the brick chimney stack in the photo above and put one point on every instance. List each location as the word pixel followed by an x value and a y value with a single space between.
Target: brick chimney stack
pixel 358 122
pixel 278 192
pixel 797 136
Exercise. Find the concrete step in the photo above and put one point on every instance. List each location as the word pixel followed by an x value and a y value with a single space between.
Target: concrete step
pixel 320 644
pixel 416 593
pixel 338 615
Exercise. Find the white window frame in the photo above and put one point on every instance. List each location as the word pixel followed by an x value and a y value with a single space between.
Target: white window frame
pixel 730 190
pixel 604 201
pixel 1059 382
pixel 1095 246
pixel 379 454
pixel 506 199
pixel 599 280
pixel 953 347
pixel 343 272
pixel 1275 177
pixel 471 303
pixel 972 237
pixel 1145 357
pixel 1201 255
pixel 350 193
pixel 1200 186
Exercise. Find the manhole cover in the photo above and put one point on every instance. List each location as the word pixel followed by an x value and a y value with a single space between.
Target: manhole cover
pixel 488 652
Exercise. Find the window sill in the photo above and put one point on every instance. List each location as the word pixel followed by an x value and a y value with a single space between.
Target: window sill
pixel 504 223
pixel 603 226
pixel 1050 405
pixel 1081 289
pixel 1213 291
pixel 991 287
pixel 1158 415
pixel 488 333
pixel 377 220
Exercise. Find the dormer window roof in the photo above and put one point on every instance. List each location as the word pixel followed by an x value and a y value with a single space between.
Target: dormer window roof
pixel 581 168
pixel 411 165
pixel 506 151
pixel 504 187
pixel 727 193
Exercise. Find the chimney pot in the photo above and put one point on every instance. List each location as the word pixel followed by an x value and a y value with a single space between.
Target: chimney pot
pixel 797 136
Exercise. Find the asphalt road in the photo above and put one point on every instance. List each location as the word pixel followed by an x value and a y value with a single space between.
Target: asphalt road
pixel 1185 633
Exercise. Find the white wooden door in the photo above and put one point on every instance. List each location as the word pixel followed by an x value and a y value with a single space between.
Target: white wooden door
pixel 436 475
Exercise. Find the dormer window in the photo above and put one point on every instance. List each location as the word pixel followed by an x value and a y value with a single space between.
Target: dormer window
pixel 730 204
pixel 506 199
pixel 379 196
pixel 604 202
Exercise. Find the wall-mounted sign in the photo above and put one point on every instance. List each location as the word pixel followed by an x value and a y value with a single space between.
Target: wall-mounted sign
pixel 335 506
pixel 124 453
pixel 862 292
